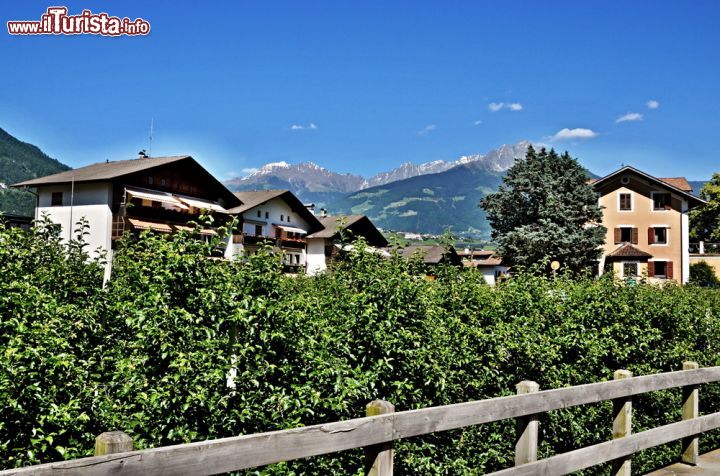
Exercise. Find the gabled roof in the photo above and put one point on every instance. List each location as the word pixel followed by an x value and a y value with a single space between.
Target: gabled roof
pixel 677 185
pixel 431 254
pixel 103 171
pixel 252 199
pixel 359 225
pixel 626 250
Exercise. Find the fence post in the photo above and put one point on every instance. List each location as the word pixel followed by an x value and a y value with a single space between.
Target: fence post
pixel 690 405
pixel 622 425
pixel 379 458
pixel 112 442
pixel 527 429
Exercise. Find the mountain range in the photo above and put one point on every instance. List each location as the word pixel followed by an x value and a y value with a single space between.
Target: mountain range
pixel 21 161
pixel 427 198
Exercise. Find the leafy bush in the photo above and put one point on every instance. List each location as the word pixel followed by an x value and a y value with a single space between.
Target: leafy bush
pixel 180 347
pixel 702 274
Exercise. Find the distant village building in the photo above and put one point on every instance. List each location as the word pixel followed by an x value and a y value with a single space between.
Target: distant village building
pixel 647 220
pixel 486 261
pixel 325 245
pixel 432 256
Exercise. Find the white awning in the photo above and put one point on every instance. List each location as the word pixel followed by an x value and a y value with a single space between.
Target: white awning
pixel 292 229
pixel 156 196
pixel 203 204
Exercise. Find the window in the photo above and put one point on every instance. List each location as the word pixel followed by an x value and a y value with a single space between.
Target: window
pixel 660 270
pixel 626 234
pixel 267 215
pixel 259 214
pixel 288 218
pixel 625 201
pixel 56 199
pixel 282 217
pixel 258 230
pixel 658 236
pixel 661 201
pixel 630 270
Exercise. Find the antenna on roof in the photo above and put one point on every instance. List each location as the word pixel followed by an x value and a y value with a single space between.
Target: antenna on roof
pixel 152 120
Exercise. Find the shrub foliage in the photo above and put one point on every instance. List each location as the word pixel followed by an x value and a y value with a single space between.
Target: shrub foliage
pixel 152 352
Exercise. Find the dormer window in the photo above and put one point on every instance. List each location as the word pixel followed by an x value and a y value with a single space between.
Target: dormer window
pixel 661 201
pixel 625 202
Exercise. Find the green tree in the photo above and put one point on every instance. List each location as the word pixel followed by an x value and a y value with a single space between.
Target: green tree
pixel 544 211
pixel 702 274
pixel 705 221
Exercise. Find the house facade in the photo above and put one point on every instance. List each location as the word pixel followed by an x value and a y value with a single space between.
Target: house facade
pixel 159 193
pixel 489 263
pixel 647 221
pixel 323 246
pixel 272 217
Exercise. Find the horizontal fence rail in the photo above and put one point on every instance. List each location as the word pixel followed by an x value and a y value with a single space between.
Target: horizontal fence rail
pixel 249 451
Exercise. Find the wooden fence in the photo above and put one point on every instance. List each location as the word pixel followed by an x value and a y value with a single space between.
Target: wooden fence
pixel 377 431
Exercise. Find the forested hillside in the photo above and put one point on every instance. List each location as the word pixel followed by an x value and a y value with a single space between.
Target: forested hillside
pixel 21 161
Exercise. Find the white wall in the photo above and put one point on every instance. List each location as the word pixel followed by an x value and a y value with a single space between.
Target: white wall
pixel 91 201
pixel 275 207
pixel 316 256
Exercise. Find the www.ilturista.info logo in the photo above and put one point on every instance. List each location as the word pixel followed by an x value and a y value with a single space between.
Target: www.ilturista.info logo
pixel 56 21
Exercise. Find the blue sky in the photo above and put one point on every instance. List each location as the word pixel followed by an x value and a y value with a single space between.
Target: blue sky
pixel 371 84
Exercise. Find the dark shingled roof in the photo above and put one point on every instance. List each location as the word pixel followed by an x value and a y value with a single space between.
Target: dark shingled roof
pixel 431 254
pixel 102 171
pixel 627 250
pixel 332 223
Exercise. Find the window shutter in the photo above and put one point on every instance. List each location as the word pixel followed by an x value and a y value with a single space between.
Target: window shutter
pixel 669 270
pixel 634 236
pixel 651 269
pixel 618 235
pixel 651 235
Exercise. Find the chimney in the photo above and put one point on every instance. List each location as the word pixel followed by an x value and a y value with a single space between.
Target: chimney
pixel 310 207
pixel 142 154
pixel 323 212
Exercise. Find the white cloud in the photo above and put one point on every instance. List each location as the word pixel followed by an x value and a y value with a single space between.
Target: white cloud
pixel 577 133
pixel 653 104
pixel 249 170
pixel 629 117
pixel 426 129
pixel 477 123
pixel 513 106
pixel 300 127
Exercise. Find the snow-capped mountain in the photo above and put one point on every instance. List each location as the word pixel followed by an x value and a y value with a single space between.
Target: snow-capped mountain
pixel 313 183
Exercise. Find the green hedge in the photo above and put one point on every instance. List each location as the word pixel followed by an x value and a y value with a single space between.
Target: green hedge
pixel 150 353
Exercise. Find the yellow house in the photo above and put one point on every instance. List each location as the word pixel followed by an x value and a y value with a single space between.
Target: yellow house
pixel 647 225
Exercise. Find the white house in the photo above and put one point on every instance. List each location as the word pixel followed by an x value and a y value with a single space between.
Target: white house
pixel 324 245
pixel 274 217
pixel 159 193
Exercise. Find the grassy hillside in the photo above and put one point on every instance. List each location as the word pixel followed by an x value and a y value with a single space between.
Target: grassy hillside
pixel 428 203
pixel 21 161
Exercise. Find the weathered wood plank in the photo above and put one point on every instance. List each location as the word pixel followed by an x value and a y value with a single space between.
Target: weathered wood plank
pixel 690 407
pixel 450 417
pixel 228 454
pixel 622 425
pixel 526 428
pixel 610 450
